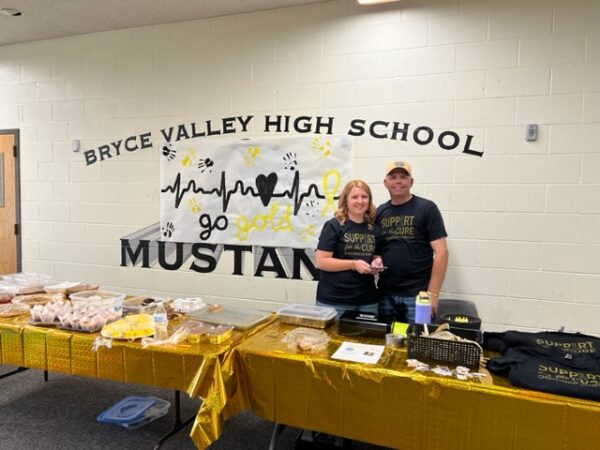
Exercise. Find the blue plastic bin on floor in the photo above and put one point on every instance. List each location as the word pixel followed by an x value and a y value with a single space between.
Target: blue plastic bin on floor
pixel 134 412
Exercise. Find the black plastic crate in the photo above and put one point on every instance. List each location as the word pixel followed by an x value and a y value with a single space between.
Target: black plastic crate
pixel 441 350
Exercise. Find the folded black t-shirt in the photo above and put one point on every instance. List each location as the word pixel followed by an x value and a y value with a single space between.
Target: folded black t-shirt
pixel 550 370
pixel 575 343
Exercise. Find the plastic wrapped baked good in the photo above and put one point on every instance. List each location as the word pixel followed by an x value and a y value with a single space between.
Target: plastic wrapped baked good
pixel 187 305
pixel 36 299
pixel 194 331
pixel 13 309
pixel 306 340
pixel 219 334
pixel 6 294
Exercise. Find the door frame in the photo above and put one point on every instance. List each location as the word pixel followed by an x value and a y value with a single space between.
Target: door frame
pixel 15 133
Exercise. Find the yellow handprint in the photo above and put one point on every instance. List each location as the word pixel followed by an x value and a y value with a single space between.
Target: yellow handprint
pixel 253 152
pixel 188 159
pixel 324 149
pixel 308 233
pixel 194 206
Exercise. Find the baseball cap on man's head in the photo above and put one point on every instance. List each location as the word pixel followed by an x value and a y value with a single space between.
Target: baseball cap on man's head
pixel 393 165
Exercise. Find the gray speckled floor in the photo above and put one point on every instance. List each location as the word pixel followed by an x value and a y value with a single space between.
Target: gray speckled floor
pixel 61 414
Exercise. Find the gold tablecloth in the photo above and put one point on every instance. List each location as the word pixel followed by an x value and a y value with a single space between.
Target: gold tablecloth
pixel 389 405
pixel 202 370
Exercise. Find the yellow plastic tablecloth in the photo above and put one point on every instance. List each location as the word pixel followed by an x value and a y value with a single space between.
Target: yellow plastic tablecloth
pixel 385 404
pixel 390 405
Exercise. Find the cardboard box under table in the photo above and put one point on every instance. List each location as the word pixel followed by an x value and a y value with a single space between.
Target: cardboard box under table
pixel 389 405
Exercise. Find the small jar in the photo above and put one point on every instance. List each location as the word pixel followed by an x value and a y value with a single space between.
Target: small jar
pixel 394 340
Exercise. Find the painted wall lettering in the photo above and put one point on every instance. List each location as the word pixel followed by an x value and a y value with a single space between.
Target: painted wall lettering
pixel 317 125
pixel 203 258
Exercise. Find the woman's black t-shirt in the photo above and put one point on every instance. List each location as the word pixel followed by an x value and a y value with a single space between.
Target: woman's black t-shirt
pixel 349 241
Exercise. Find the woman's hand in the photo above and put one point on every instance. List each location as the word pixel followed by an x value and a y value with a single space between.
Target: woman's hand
pixel 362 267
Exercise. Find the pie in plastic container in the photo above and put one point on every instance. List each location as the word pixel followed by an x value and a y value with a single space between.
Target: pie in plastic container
pixel 134 326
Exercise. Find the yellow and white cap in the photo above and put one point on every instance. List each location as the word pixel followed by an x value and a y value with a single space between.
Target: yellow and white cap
pixel 393 165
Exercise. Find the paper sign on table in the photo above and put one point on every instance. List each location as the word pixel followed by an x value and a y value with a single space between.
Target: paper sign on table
pixel 363 353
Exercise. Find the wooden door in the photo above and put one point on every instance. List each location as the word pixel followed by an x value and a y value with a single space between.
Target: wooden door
pixel 8 205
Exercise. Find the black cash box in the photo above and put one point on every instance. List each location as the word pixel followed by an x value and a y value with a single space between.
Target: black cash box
pixel 356 323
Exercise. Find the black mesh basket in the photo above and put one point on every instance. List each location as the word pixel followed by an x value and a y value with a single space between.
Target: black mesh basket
pixel 441 350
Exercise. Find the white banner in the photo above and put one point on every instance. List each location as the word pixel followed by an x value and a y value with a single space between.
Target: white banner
pixel 274 192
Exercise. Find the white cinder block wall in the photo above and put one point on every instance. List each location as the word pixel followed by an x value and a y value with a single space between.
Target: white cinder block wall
pixel 523 220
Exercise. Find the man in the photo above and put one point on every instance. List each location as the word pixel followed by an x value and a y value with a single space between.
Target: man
pixel 413 249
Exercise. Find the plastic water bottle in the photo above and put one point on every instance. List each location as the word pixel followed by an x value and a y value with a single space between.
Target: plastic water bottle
pixel 423 308
pixel 161 322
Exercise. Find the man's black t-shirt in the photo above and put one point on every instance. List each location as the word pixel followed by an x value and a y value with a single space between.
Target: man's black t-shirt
pixel 349 241
pixel 406 233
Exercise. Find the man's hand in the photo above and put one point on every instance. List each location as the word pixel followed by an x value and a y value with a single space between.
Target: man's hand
pixel 377 265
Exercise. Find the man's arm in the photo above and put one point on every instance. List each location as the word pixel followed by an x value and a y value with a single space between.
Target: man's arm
pixel 438 271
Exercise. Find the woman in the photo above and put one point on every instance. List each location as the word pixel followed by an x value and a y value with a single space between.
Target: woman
pixel 345 250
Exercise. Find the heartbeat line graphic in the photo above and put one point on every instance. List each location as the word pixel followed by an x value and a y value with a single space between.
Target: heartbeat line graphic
pixel 293 193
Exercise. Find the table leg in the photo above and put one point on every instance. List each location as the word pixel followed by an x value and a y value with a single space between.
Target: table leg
pixel 277 429
pixel 178 425
pixel 13 372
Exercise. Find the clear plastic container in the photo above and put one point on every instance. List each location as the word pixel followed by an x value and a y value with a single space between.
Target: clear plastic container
pixel 97 298
pixel 139 305
pixel 307 315
pixel 242 319
pixel 25 282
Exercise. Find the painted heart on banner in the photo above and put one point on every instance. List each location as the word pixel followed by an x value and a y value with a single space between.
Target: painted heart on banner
pixel 266 186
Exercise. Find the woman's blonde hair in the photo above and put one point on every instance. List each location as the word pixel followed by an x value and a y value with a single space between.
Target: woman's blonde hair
pixel 342 212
